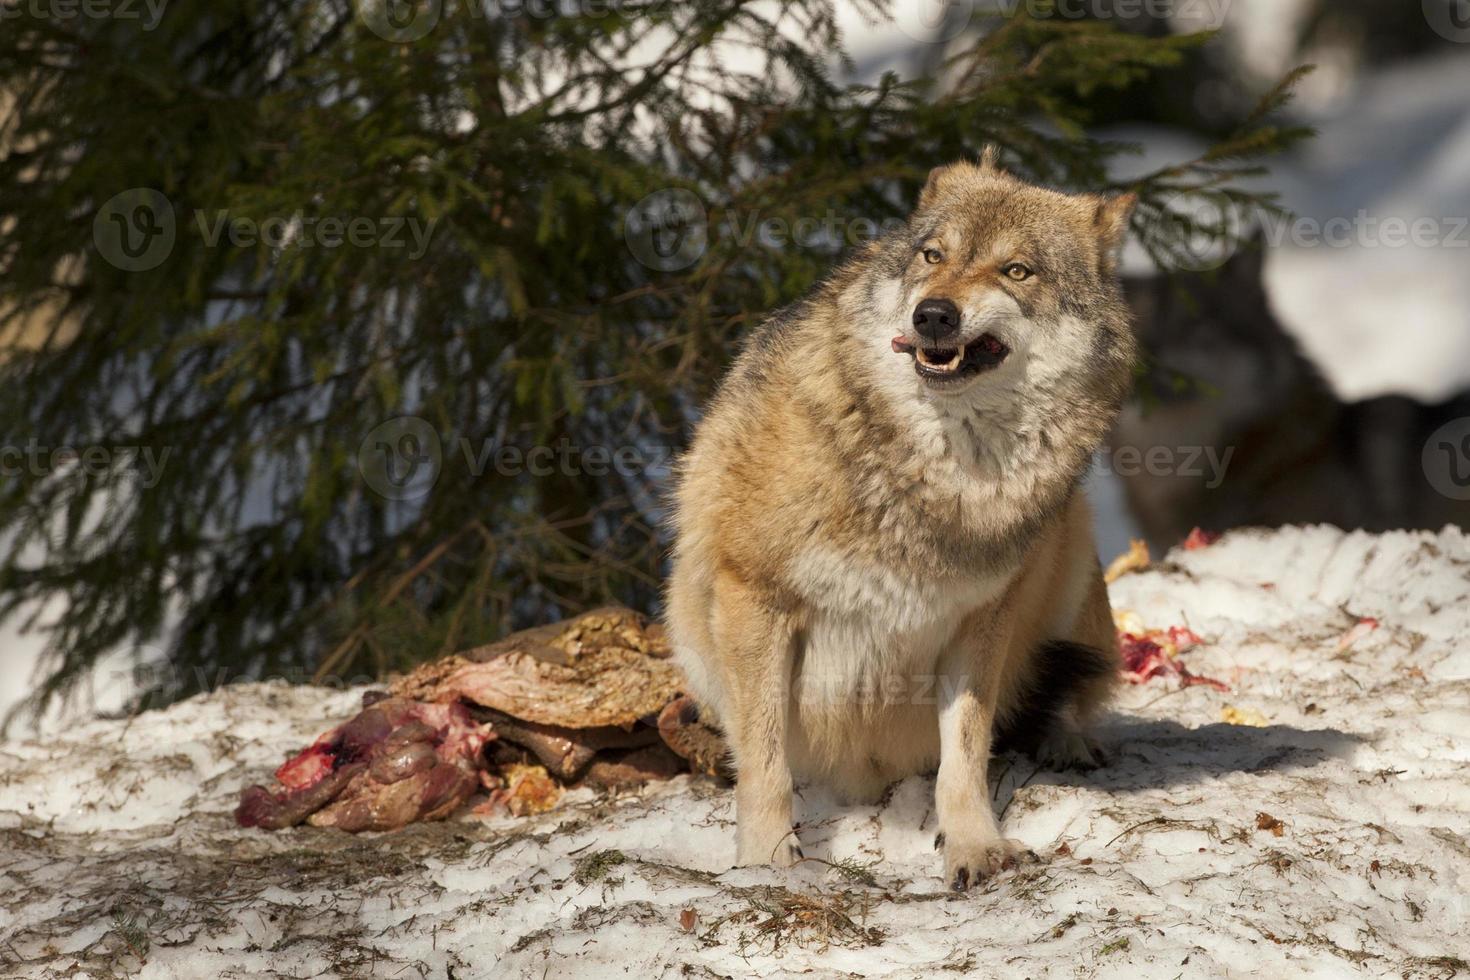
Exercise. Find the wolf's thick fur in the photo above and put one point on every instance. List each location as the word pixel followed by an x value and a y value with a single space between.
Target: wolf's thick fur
pixel 872 571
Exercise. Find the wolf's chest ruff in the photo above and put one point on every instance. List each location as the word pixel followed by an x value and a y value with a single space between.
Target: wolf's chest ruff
pixel 877 632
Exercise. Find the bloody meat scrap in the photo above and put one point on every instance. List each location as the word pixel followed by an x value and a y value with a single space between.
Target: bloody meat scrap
pixel 1150 653
pixel 398 761
pixel 1200 538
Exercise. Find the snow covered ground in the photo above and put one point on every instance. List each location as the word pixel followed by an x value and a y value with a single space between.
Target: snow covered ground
pixel 1328 842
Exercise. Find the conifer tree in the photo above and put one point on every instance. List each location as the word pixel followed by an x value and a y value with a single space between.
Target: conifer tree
pixel 386 319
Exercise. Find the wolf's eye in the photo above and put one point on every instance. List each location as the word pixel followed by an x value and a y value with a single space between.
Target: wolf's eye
pixel 1018 272
pixel 933 256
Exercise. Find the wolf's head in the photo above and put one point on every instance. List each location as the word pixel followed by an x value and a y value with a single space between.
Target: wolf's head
pixel 998 283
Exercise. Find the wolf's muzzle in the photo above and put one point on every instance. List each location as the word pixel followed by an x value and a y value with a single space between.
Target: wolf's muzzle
pixel 936 319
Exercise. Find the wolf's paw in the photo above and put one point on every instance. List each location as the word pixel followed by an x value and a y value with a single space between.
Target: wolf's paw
pixel 1066 748
pixel 971 862
pixel 782 853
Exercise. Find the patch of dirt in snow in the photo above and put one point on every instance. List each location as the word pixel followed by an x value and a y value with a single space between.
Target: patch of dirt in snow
pixel 1329 841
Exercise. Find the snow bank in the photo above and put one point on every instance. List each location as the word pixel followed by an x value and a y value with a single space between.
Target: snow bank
pixel 1330 841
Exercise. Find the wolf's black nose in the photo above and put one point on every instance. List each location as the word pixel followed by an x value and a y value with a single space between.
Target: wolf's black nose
pixel 936 319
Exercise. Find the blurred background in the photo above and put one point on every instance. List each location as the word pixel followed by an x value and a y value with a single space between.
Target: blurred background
pixel 340 335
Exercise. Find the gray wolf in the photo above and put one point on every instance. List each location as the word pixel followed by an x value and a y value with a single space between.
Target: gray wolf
pixel 884 562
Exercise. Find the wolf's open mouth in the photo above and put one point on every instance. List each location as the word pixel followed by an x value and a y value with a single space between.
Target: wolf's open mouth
pixel 944 363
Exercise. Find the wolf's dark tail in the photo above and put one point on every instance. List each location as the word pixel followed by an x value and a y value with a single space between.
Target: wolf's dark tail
pixel 1059 669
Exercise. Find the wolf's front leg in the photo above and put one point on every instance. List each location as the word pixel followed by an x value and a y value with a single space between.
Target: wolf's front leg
pixel 755 645
pixel 973 846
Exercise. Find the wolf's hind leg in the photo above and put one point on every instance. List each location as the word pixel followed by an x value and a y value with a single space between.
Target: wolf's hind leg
pixel 1094 630
pixel 1071 682
pixel 1066 746
pixel 1045 719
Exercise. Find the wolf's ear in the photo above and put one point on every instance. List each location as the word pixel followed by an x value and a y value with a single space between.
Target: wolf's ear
pixel 1111 222
pixel 937 178
pixel 989 158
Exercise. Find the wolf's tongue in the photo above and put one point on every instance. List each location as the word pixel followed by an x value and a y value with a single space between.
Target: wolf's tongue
pixel 901 346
